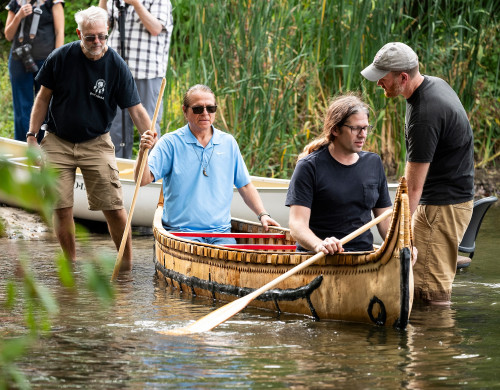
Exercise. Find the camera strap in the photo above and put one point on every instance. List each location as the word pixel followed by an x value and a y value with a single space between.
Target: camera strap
pixel 36 19
pixel 34 23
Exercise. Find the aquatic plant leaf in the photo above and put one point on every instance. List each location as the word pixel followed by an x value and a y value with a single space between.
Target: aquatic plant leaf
pixel 65 269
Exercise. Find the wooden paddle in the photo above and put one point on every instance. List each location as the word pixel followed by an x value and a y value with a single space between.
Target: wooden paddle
pixel 142 155
pixel 222 314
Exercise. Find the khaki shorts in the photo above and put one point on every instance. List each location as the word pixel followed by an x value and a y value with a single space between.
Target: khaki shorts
pixel 438 231
pixel 96 160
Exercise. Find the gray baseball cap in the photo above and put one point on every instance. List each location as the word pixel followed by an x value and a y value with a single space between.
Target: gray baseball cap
pixel 394 56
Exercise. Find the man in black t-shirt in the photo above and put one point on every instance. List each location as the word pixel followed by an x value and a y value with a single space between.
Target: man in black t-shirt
pixel 336 186
pixel 82 83
pixel 439 168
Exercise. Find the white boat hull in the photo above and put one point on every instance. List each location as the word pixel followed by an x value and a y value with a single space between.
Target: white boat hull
pixel 272 191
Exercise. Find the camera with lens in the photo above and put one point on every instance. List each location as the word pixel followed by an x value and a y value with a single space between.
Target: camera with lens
pixel 24 54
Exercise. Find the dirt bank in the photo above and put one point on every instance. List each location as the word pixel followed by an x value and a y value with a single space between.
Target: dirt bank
pixel 487 183
pixel 20 224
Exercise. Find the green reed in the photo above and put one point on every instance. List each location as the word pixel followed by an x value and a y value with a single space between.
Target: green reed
pixel 274 65
pixel 6 114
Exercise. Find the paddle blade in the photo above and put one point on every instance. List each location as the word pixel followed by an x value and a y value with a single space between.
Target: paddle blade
pixel 212 319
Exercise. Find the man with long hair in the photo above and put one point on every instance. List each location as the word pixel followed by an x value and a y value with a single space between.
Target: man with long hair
pixel 336 185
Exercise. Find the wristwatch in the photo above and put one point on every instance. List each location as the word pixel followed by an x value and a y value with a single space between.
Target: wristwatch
pixel 30 134
pixel 262 214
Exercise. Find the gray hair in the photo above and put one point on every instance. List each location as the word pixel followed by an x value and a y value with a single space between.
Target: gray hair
pixel 194 89
pixel 90 16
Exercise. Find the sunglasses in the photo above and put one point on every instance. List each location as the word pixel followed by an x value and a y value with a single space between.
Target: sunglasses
pixel 200 109
pixel 91 38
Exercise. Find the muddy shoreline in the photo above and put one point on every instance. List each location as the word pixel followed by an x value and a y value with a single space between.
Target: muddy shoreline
pixel 19 224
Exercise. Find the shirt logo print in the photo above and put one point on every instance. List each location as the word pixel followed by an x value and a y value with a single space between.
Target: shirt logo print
pixel 99 88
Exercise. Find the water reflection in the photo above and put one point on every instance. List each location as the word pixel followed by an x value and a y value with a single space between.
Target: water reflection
pixel 91 346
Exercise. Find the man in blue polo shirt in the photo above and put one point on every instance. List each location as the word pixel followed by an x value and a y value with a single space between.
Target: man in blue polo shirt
pixel 199 166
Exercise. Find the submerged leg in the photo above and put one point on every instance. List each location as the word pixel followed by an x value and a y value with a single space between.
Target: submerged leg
pixel 65 231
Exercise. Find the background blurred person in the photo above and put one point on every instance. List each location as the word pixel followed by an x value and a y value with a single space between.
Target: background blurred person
pixel 35 30
pixel 143 42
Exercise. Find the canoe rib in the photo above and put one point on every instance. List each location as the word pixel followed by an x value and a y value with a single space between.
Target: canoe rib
pixel 374 287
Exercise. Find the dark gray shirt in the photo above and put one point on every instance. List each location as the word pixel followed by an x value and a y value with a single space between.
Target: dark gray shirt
pixel 341 197
pixel 438 132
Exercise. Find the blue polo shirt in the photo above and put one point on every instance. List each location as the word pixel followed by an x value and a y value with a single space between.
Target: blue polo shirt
pixel 192 201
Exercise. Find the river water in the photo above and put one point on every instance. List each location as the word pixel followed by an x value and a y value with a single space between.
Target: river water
pixel 91 346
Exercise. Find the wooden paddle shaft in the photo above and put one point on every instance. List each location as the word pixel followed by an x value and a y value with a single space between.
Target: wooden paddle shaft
pixel 225 312
pixel 143 159
pixel 319 255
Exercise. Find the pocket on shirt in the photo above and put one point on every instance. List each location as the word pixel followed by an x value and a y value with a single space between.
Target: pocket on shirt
pixel 370 194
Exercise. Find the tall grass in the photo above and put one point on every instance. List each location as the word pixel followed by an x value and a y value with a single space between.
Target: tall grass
pixel 6 113
pixel 274 64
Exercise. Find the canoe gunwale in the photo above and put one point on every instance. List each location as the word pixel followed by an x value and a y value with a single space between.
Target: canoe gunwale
pixel 203 252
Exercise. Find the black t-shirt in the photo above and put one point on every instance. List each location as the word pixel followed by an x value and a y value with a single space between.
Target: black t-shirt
pixel 438 132
pixel 85 92
pixel 45 39
pixel 341 197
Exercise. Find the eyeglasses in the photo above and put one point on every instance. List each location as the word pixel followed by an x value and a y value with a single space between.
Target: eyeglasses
pixel 358 129
pixel 200 109
pixel 91 38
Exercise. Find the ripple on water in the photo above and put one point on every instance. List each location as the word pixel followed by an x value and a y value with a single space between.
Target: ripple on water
pixel 91 346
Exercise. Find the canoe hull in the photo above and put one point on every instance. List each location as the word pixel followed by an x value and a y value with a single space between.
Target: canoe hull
pixel 357 296
pixel 369 287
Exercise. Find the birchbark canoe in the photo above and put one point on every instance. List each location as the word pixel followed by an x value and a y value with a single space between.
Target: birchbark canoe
pixel 374 287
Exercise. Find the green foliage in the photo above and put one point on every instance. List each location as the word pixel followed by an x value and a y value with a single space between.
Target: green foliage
pixel 6 113
pixel 70 8
pixel 10 351
pixel 35 187
pixel 64 269
pixel 274 64
pixel 96 274
pixel 30 187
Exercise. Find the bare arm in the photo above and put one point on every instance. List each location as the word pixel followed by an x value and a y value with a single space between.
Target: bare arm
pixel 301 232
pixel 252 199
pixel 415 174
pixel 383 226
pixel 103 4
pixel 39 112
pixel 148 139
pixel 142 121
pixel 152 24
pixel 140 118
pixel 58 16
pixel 14 20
